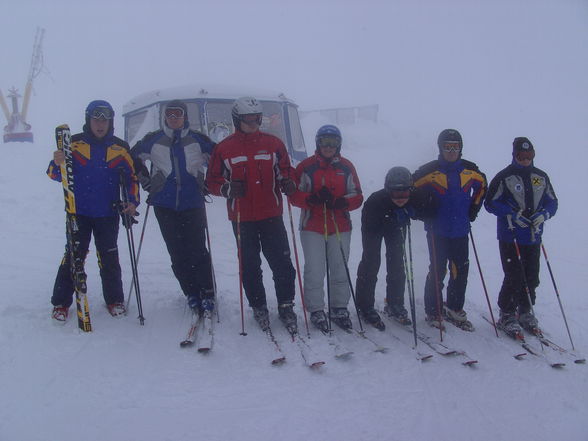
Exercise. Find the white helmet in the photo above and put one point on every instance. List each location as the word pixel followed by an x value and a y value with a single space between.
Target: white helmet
pixel 246 105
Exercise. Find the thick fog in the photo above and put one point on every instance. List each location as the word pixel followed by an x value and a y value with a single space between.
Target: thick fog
pixel 492 69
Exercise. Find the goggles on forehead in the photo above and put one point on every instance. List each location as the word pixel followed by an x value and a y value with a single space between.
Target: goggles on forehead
pixel 452 147
pixel 403 193
pixel 101 113
pixel 527 155
pixel 333 142
pixel 252 118
pixel 174 113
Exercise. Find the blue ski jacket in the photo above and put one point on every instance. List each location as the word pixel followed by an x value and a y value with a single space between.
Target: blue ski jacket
pixel 97 167
pixel 458 189
pixel 178 158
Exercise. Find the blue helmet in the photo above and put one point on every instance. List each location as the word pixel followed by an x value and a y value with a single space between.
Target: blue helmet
pixel 102 110
pixel 328 130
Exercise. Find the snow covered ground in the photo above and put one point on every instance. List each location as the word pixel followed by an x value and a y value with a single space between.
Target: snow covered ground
pixel 130 382
pixel 493 70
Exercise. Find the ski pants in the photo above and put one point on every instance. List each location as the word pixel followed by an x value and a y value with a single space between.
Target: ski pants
pixel 184 233
pixel 268 236
pixel 452 253
pixel 315 268
pixel 513 293
pixel 367 271
pixel 105 231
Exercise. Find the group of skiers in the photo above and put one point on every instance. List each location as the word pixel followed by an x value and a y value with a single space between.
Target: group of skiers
pixel 252 169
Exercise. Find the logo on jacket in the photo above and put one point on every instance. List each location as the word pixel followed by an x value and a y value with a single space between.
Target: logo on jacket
pixel 519 188
pixel 537 182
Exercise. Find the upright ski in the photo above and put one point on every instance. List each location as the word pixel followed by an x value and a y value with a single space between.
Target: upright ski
pixel 78 275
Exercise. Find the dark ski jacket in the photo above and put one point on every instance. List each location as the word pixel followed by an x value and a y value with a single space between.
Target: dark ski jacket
pixel 178 158
pixel 97 168
pixel 458 188
pixel 517 188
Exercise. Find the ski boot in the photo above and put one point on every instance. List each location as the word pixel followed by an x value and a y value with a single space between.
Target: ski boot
pixel 372 317
pixel 60 313
pixel 320 321
pixel 288 317
pixel 341 318
pixel 398 313
pixel 509 324
pixel 194 303
pixel 261 316
pixel 434 321
pixel 117 309
pixel 207 307
pixel 458 318
pixel 529 323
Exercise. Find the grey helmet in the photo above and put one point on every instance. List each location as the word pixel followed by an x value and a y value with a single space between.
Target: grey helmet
pixel 398 178
pixel 246 105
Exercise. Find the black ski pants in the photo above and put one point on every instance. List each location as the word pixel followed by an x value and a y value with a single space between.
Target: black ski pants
pixel 369 266
pixel 105 231
pixel 513 293
pixel 184 233
pixel 268 236
pixel 446 253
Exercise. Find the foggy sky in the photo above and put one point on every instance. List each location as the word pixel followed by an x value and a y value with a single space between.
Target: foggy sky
pixel 494 69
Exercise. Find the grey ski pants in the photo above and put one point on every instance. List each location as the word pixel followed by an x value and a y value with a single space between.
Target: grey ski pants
pixel 313 245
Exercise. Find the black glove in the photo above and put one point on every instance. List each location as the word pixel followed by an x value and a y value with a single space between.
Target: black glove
pixel 145 181
pixel 128 220
pixel 233 189
pixel 314 200
pixel 325 196
pixel 338 204
pixel 473 213
pixel 288 186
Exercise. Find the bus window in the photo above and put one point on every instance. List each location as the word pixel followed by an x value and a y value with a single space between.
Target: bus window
pixel 296 130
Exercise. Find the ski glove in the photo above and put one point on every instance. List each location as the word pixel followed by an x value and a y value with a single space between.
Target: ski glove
pixel 323 196
pixel 145 181
pixel 518 219
pixel 233 189
pixel 539 217
pixel 473 213
pixel 338 204
pixel 288 186
pixel 128 220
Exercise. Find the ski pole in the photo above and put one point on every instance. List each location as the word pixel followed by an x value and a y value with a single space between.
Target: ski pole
pixel 437 290
pixel 410 279
pixel 346 270
pixel 557 295
pixel 240 259
pixel 138 253
pixel 327 267
pixel 483 282
pixel 131 243
pixel 298 268
pixel 211 265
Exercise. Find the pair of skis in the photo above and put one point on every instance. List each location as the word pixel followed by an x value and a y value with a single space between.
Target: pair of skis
pixel 201 329
pixel 78 275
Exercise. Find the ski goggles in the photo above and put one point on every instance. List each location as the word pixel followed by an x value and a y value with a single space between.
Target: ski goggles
pixel 102 113
pixel 174 113
pixel 450 147
pixel 252 118
pixel 403 193
pixel 333 142
pixel 527 155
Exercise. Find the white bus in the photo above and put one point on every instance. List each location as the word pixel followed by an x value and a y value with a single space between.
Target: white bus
pixel 209 112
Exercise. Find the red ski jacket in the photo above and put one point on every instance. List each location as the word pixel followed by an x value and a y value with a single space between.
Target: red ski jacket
pixel 340 177
pixel 258 159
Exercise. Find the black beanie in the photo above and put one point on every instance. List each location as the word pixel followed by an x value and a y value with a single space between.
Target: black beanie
pixel 522 144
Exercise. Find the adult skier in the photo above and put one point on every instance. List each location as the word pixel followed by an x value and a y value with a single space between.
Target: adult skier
pixel 522 198
pixel 178 155
pixel 99 158
pixel 328 190
pixel 386 215
pixel 250 168
pixel 458 187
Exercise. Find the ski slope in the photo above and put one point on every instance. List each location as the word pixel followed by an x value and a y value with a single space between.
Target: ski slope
pixel 130 382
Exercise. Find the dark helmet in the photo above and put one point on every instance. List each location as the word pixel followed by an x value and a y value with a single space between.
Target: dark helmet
pixel 99 109
pixel 449 135
pixel 330 131
pixel 398 178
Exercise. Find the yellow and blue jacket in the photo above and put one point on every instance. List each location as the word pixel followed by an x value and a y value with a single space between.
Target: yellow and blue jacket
pixel 458 189
pixel 98 165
